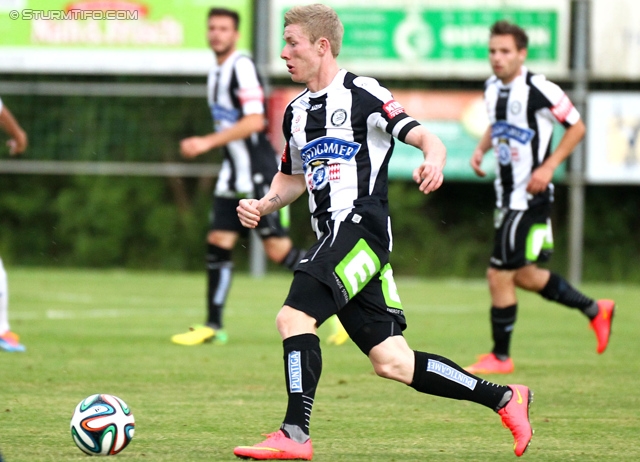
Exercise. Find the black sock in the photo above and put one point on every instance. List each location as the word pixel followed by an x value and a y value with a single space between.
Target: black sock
pixel 502 322
pixel 293 258
pixel 439 376
pixel 559 290
pixel 219 272
pixel 302 368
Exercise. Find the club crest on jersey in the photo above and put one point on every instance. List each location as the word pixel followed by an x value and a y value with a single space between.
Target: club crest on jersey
pixel 338 117
pixel 319 174
pixel 504 154
pixel 504 129
pixel 327 148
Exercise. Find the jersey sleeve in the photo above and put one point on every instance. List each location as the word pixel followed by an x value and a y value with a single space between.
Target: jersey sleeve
pixel 249 92
pixel 390 115
pixel 556 100
pixel 291 161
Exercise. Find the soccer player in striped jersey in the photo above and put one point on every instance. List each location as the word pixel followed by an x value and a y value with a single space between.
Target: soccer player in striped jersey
pixel 17 143
pixel 236 101
pixel 523 108
pixel 339 136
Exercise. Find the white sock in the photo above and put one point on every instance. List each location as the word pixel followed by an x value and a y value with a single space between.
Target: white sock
pixel 4 300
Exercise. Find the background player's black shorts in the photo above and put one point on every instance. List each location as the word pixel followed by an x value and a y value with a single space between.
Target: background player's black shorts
pixel 224 217
pixel 522 237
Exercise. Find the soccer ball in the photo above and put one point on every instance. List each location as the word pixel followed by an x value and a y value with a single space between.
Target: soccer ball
pixel 102 425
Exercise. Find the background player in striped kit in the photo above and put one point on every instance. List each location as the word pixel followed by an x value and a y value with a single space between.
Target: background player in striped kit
pixel 236 100
pixel 9 341
pixel 339 136
pixel 523 108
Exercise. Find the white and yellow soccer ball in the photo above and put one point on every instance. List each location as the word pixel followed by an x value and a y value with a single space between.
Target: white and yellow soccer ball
pixel 102 425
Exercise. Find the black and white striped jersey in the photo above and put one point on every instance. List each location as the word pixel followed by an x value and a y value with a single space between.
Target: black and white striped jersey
pixel 522 114
pixel 341 139
pixel 234 90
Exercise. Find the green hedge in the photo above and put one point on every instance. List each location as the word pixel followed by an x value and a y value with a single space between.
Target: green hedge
pixel 161 223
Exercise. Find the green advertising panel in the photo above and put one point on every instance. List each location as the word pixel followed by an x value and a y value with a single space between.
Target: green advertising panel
pixel 437 38
pixel 112 36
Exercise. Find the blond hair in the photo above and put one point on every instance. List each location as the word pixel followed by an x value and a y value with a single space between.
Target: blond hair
pixel 317 21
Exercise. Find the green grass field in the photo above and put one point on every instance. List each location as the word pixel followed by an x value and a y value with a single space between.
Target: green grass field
pixel 108 332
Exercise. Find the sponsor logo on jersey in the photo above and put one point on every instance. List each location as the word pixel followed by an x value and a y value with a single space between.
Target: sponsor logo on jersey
pixel 315 107
pixel 562 110
pixel 305 104
pixel 338 117
pixel 503 129
pixel 392 108
pixel 224 114
pixel 450 373
pixel 295 372
pixel 328 148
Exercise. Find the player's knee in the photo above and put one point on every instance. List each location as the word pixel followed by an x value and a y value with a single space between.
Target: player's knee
pixel 500 278
pixel 387 370
pixel 531 278
pixel 395 367
pixel 393 359
pixel 290 322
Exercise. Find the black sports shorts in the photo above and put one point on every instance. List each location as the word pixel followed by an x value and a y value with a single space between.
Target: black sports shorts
pixel 225 217
pixel 347 273
pixel 522 237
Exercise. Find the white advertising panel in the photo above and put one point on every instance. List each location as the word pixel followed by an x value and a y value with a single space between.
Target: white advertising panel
pixel 613 138
pixel 615 39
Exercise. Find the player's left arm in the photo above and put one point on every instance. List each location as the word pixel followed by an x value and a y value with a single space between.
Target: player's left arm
pixel 393 120
pixel 562 109
pixel 541 176
pixel 428 174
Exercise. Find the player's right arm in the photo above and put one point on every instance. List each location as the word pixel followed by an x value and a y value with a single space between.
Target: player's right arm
pixel 283 191
pixel 244 128
pixel 250 95
pixel 18 138
pixel 478 154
